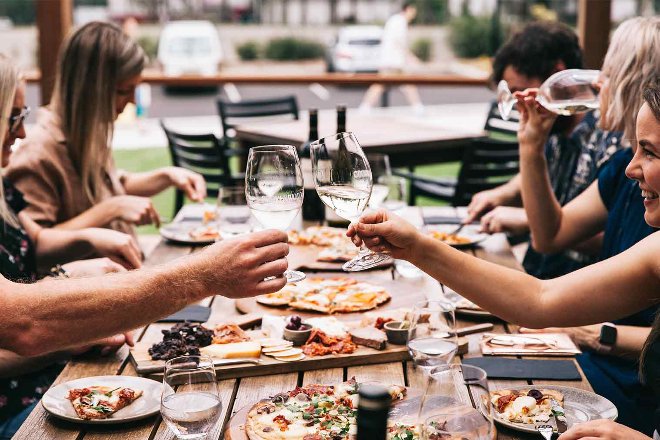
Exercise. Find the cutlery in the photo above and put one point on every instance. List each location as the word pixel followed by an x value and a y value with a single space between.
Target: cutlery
pixel 457 230
pixel 560 417
pixel 545 430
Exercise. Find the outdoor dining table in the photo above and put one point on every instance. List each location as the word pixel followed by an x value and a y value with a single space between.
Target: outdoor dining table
pixel 438 135
pixel 239 393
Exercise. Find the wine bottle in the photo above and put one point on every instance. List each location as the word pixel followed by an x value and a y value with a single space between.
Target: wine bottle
pixel 373 408
pixel 341 118
pixel 313 208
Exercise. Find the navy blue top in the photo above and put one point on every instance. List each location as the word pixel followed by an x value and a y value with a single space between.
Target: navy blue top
pixel 615 378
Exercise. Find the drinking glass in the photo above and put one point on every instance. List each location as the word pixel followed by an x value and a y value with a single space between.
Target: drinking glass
pixel 397 193
pixel 456 404
pixel 566 92
pixel 274 189
pixel 190 403
pixel 380 169
pixel 432 339
pixel 344 182
pixel 232 211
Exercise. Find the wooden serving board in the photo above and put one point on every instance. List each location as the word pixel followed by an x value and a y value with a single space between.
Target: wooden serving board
pixel 405 293
pixel 303 257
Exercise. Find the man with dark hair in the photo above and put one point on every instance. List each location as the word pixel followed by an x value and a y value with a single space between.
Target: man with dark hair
pixel 574 151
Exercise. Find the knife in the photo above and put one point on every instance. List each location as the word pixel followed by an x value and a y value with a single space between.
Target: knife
pixel 560 418
pixel 216 363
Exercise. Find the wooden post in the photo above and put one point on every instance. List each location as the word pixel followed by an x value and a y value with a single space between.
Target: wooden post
pixel 594 24
pixel 54 19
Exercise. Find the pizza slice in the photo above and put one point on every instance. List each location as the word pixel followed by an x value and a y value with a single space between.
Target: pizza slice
pixel 101 402
pixel 525 406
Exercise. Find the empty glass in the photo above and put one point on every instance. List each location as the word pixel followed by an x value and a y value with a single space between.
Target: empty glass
pixel 432 339
pixel 397 193
pixel 380 169
pixel 566 92
pixel 232 213
pixel 190 403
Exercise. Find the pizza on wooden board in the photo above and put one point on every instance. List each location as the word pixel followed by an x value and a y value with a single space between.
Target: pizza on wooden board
pixel 315 412
pixel 328 295
pixel 337 247
pixel 525 406
pixel 101 402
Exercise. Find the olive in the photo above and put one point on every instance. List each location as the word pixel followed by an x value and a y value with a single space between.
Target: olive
pixel 536 394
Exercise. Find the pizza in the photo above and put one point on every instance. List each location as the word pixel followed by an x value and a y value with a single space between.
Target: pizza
pixel 328 295
pixel 336 246
pixel 204 232
pixel 450 239
pixel 315 412
pixel 101 402
pixel 525 406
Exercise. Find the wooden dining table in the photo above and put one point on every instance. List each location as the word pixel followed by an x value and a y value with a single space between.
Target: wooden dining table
pixel 237 393
pixel 438 135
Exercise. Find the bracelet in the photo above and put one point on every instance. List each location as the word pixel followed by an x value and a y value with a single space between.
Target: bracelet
pixel 58 271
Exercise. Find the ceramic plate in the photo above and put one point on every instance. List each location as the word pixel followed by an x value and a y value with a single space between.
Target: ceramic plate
pixel 56 403
pixel 179 232
pixel 579 405
pixel 470 232
pixel 466 311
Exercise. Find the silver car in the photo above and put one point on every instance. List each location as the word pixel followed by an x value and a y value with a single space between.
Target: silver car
pixel 356 49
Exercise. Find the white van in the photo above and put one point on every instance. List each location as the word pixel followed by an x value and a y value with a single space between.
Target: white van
pixel 189 47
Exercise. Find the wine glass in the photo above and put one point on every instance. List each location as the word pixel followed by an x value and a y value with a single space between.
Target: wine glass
pixel 397 193
pixel 190 403
pixel 380 169
pixel 274 189
pixel 432 339
pixel 344 183
pixel 566 92
pixel 232 212
pixel 456 404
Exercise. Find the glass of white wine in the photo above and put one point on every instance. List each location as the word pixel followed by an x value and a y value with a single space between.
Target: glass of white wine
pixel 344 183
pixel 566 92
pixel 432 339
pixel 190 403
pixel 274 189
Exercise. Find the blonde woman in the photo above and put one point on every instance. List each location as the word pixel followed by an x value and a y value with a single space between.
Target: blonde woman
pixel 65 168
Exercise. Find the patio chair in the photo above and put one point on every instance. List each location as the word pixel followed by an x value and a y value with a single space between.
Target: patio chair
pixel 234 113
pixel 205 154
pixel 486 163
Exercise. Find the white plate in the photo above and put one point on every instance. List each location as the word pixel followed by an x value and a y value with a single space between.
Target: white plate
pixel 180 232
pixel 56 403
pixel 579 405
pixel 470 232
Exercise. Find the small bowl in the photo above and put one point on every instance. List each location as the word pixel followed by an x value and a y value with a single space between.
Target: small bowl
pixel 298 337
pixel 396 335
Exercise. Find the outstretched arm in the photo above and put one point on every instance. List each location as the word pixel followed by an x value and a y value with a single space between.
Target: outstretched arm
pixel 150 183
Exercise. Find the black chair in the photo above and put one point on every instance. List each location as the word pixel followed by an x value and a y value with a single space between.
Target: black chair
pixel 233 113
pixel 486 163
pixel 205 154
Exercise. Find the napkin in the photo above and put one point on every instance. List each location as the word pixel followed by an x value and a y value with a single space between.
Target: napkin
pixel 502 368
pixel 538 344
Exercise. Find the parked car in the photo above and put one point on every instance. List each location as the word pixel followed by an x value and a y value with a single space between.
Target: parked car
pixel 356 49
pixel 189 47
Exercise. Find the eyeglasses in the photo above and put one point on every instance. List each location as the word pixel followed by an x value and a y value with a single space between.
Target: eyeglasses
pixel 16 120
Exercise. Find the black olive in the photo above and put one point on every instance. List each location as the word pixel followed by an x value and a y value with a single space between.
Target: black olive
pixel 535 394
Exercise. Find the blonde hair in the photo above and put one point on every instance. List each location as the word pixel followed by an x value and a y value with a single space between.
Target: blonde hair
pixel 632 64
pixel 92 62
pixel 8 85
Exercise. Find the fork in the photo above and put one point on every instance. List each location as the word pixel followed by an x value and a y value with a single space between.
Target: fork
pixel 546 431
pixel 457 230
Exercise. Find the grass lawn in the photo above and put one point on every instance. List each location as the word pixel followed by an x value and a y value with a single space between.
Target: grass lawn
pixel 151 158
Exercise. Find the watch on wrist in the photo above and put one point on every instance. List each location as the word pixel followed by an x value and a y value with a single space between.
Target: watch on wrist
pixel 608 334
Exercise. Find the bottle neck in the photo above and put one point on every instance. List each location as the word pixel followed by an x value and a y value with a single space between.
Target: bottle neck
pixel 341 119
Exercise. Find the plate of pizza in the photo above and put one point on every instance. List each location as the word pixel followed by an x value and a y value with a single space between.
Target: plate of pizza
pixel 104 400
pixel 328 295
pixel 311 411
pixel 469 236
pixel 523 408
pixel 191 232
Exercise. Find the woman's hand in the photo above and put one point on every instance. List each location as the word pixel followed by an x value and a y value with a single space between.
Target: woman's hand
pixel 505 219
pixel 133 209
pixel 586 337
pixel 602 430
pixel 535 121
pixel 106 346
pixel 382 231
pixel 91 268
pixel 190 182
pixel 119 247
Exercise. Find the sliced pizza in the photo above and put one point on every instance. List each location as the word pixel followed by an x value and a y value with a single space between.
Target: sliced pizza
pixel 525 406
pixel 101 402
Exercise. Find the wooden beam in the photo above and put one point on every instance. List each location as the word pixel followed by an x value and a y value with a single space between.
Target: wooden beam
pixel 594 25
pixel 54 20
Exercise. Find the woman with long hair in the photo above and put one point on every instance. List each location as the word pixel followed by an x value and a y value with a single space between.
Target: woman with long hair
pixel 65 167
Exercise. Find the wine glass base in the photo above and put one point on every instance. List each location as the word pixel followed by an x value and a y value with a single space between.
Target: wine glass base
pixel 365 261
pixel 293 276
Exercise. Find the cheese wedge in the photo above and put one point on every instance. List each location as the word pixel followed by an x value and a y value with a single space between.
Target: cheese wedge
pixel 249 349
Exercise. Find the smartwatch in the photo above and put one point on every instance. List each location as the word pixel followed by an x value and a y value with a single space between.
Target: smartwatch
pixel 608 334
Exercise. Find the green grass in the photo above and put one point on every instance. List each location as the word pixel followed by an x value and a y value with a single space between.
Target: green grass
pixel 151 158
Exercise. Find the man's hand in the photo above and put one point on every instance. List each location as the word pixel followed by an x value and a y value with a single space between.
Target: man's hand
pixel 119 247
pixel 602 430
pixel 91 268
pixel 382 231
pixel 535 121
pixel 190 182
pixel 505 219
pixel 241 267
pixel 133 209
pixel 586 337
pixel 481 203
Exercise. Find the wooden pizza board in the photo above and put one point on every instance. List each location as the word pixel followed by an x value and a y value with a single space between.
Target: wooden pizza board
pixel 405 292
pixel 303 257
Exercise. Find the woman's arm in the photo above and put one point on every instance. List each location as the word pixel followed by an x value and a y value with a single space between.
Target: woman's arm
pixel 131 209
pixel 150 183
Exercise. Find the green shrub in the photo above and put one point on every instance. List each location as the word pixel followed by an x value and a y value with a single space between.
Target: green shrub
pixel 470 37
pixel 149 45
pixel 422 48
pixel 290 48
pixel 248 51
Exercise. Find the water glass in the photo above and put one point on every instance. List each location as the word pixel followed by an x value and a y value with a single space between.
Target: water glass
pixel 432 339
pixel 190 403
pixel 380 168
pixel 397 193
pixel 233 213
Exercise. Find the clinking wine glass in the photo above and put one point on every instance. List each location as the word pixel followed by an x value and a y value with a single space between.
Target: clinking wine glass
pixel 566 92
pixel 274 189
pixel 344 183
